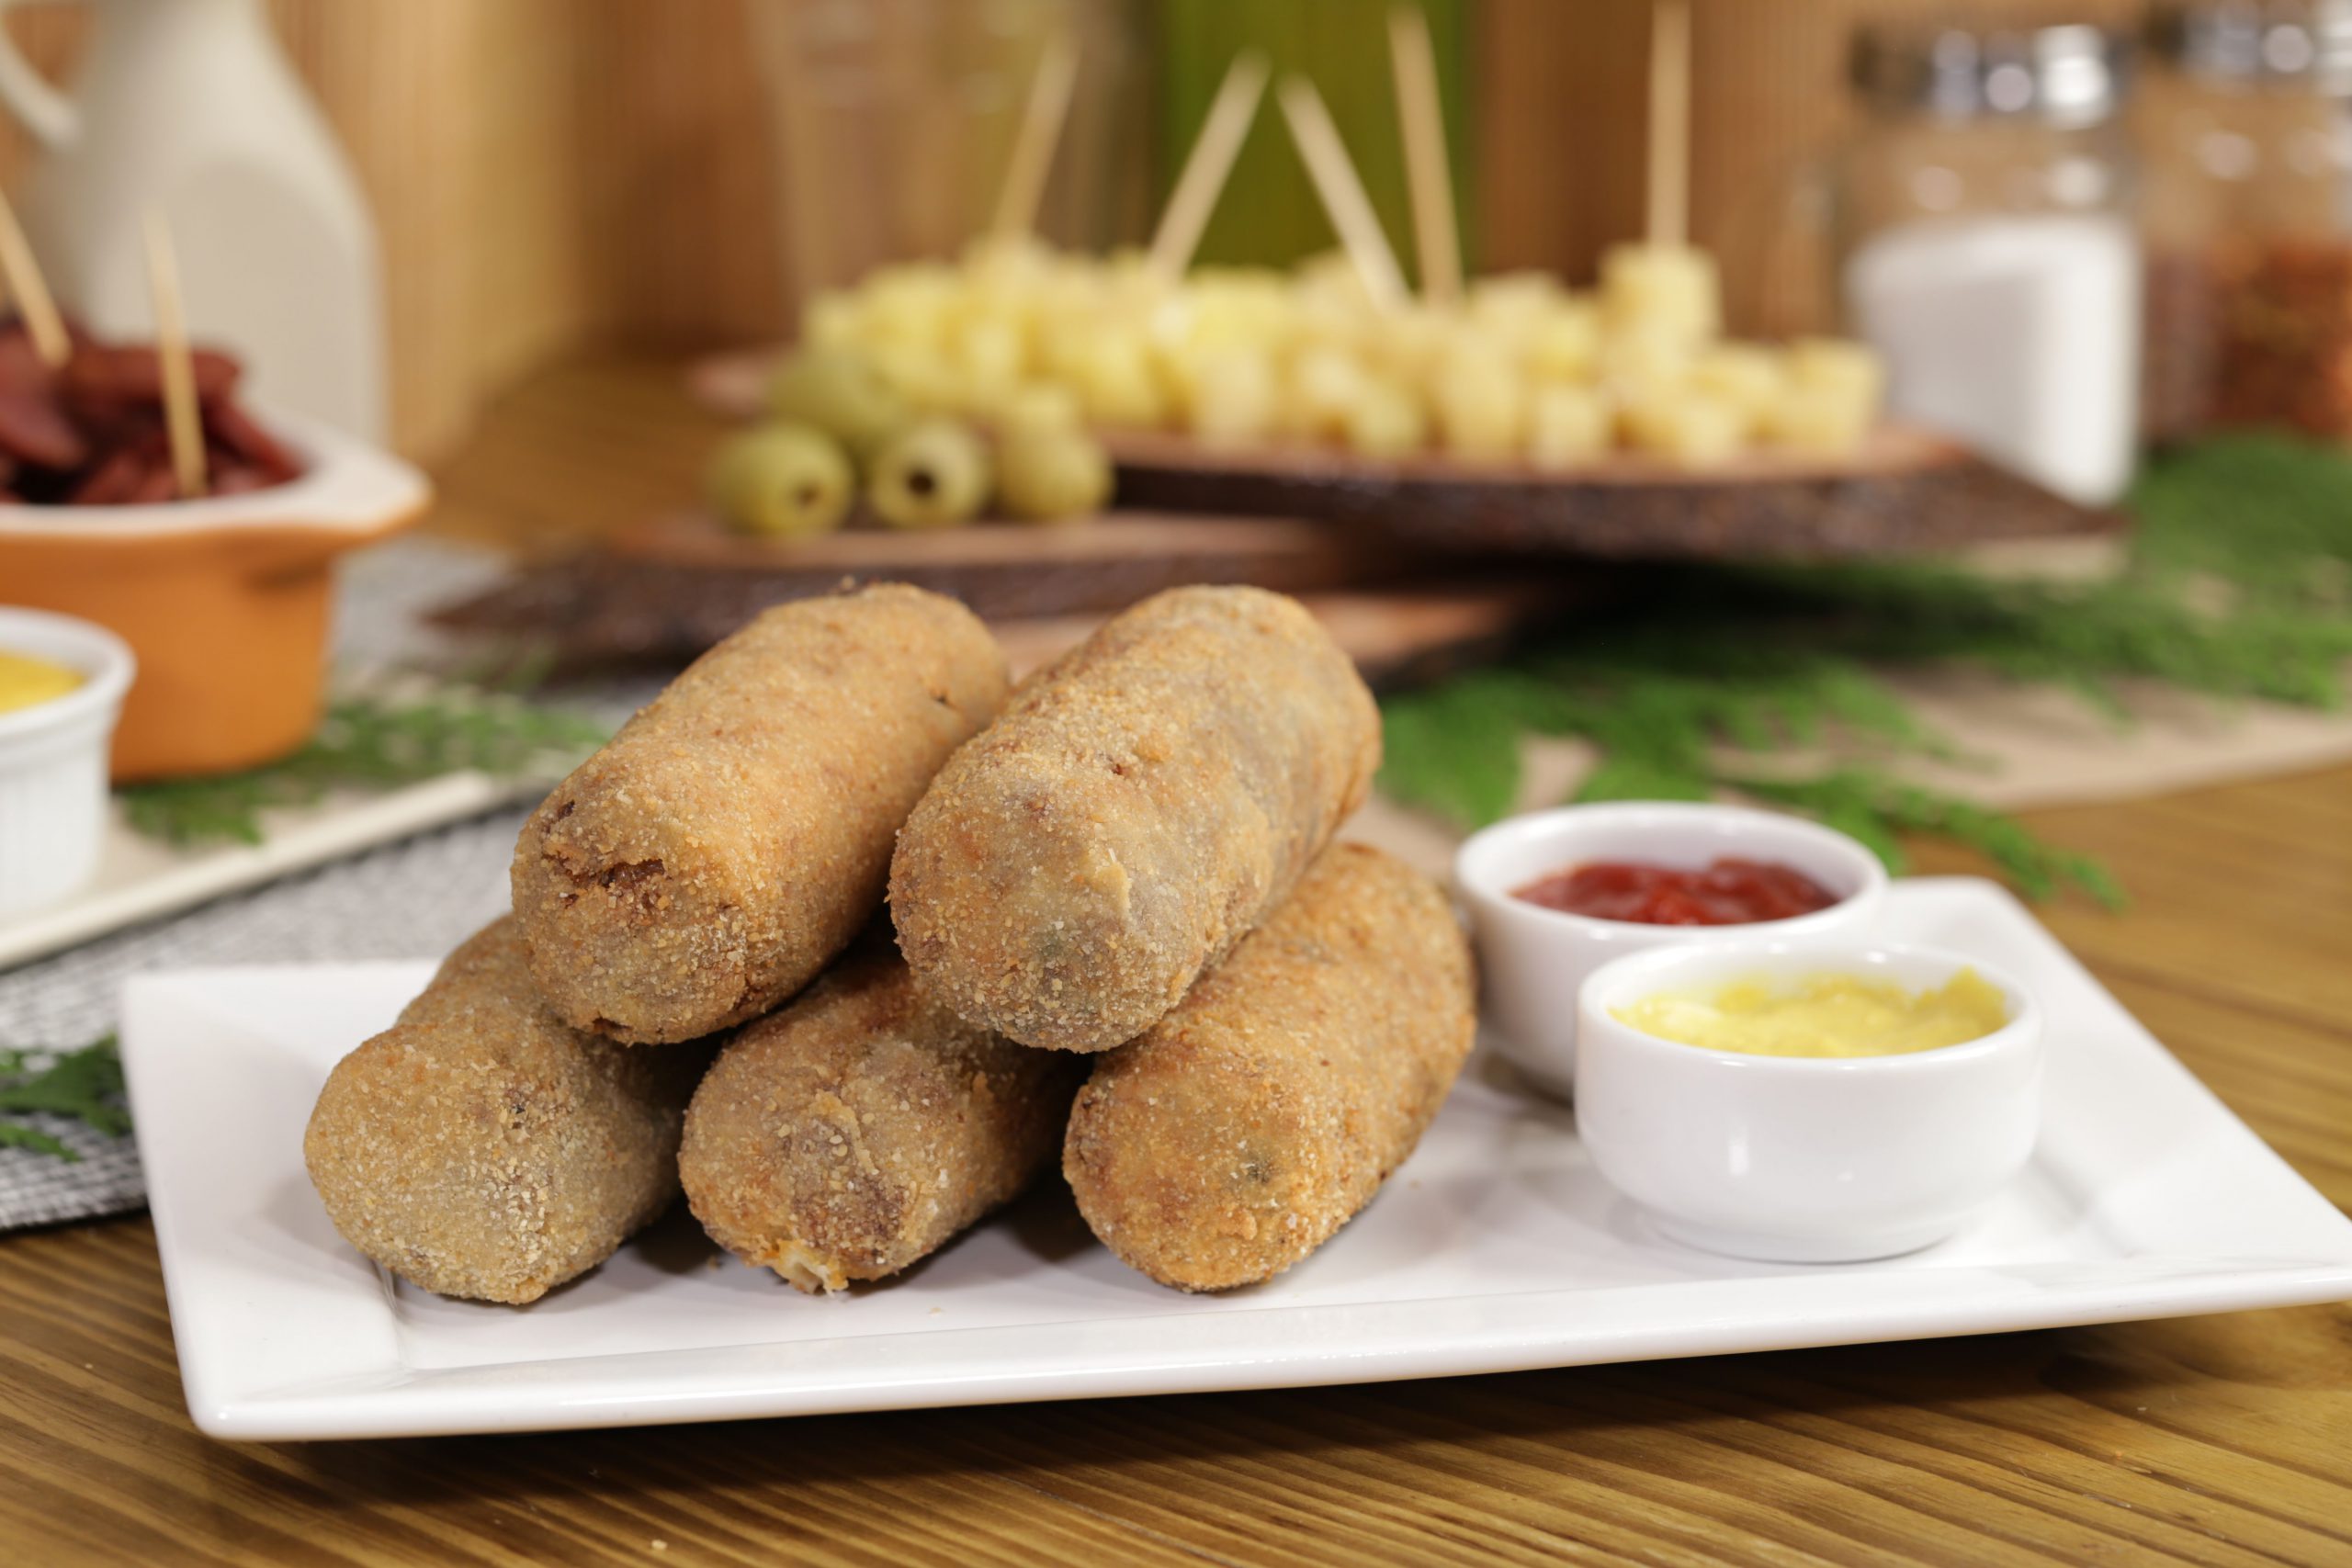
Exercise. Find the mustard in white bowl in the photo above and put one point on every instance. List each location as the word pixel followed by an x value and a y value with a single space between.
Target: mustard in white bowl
pixel 26 679
pixel 61 685
pixel 1825 1014
pixel 1884 1139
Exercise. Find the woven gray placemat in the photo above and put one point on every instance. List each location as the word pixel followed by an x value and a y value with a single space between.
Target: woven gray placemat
pixel 412 899
pixel 416 899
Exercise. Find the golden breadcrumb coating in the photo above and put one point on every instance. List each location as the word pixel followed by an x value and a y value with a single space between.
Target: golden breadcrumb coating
pixel 736 834
pixel 1140 806
pixel 859 1128
pixel 479 1148
pixel 1254 1121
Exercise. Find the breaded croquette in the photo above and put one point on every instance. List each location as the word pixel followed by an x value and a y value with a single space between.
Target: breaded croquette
pixel 479 1148
pixel 1256 1118
pixel 860 1127
pixel 735 835
pixel 1142 803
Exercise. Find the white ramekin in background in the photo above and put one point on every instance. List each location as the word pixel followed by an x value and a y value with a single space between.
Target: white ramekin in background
pixel 1804 1159
pixel 1533 960
pixel 53 760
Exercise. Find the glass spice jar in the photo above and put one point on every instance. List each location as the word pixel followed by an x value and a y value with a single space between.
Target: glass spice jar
pixel 1982 217
pixel 2249 286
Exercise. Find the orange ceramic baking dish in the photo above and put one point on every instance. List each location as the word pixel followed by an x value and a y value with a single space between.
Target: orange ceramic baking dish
pixel 224 600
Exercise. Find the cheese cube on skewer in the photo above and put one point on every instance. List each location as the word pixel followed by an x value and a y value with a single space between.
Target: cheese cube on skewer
pixel 1851 369
pixel 1226 396
pixel 1325 385
pixel 1691 428
pixel 1832 401
pixel 1818 419
pixel 989 355
pixel 1386 421
pixel 1039 408
pixel 1747 375
pixel 1480 403
pixel 1114 379
pixel 1670 291
pixel 1564 344
pixel 1566 426
pixel 1639 363
pixel 1512 301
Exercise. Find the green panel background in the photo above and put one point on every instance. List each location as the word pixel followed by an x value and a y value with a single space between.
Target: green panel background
pixel 1270 213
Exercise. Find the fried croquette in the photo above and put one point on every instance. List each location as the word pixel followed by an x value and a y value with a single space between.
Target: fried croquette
pixel 479 1148
pixel 860 1127
pixel 735 835
pixel 1141 804
pixel 1256 1118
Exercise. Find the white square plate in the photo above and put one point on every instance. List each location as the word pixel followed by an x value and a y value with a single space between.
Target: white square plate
pixel 1497 1247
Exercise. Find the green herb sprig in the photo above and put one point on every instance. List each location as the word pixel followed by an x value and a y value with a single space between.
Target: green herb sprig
pixel 2235 586
pixel 370 741
pixel 86 1085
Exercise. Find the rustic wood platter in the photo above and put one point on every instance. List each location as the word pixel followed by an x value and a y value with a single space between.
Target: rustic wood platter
pixel 661 592
pixel 1398 637
pixel 1010 568
pixel 664 589
pixel 1908 491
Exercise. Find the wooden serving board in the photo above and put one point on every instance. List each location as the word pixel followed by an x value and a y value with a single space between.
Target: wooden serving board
pixel 1395 636
pixel 1012 568
pixel 666 590
pixel 1398 637
pixel 663 590
pixel 1908 491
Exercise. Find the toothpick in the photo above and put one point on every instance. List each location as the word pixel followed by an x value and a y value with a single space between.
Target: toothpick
pixel 1669 170
pixel 1436 241
pixel 181 421
pixel 1041 131
pixel 1344 201
pixel 1208 165
pixel 51 339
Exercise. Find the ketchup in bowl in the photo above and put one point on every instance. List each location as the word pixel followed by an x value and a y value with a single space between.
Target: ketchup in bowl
pixel 1729 892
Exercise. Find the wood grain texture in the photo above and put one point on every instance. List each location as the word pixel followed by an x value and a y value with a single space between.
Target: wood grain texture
pixel 2219 1440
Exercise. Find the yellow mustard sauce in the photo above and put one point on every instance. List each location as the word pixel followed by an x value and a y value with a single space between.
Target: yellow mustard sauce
pixel 1821 1015
pixel 26 681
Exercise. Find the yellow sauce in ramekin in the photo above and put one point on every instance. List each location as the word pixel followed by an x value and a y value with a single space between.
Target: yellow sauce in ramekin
pixel 1825 1015
pixel 25 681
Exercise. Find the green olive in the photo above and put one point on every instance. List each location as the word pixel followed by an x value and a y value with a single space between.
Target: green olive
pixel 782 481
pixel 1046 475
pixel 933 475
pixel 841 392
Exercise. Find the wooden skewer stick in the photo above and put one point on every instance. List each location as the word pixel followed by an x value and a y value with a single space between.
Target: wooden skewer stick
pixel 1436 241
pixel 31 290
pixel 1670 168
pixel 1344 201
pixel 1041 132
pixel 1208 165
pixel 183 422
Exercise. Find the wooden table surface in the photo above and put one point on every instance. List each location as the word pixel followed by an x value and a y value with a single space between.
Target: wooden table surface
pixel 2216 1440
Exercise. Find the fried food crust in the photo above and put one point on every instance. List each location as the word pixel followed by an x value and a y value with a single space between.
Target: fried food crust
pixel 1141 804
pixel 479 1148
pixel 859 1128
pixel 1254 1121
pixel 735 835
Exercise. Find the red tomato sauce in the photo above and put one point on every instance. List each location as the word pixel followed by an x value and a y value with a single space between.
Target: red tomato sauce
pixel 1731 892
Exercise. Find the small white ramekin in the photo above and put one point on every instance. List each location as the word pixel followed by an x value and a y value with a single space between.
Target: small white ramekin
pixel 1805 1159
pixel 1533 960
pixel 53 760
